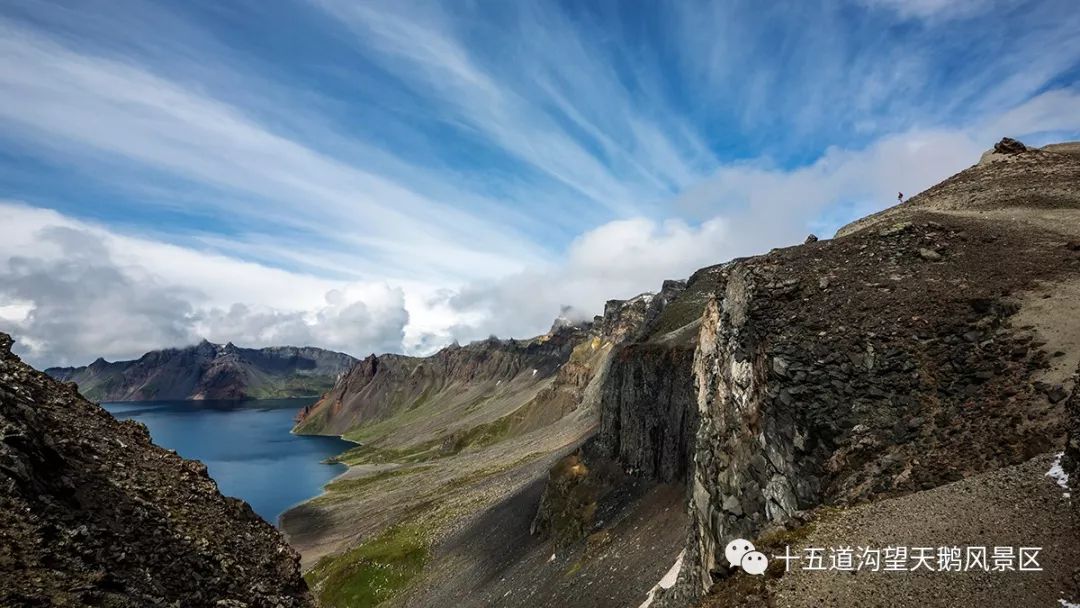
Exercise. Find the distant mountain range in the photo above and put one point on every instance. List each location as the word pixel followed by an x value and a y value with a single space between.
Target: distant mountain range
pixel 210 371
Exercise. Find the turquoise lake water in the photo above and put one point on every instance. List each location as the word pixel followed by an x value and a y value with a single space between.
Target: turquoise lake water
pixel 246 446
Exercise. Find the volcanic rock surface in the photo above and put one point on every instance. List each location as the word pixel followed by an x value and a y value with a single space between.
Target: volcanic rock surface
pixel 94 514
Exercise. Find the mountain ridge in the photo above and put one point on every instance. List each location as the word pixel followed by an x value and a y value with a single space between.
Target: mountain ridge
pixel 210 371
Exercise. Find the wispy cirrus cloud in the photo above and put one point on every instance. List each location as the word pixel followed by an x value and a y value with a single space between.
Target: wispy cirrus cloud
pixel 933 9
pixel 553 101
pixel 103 106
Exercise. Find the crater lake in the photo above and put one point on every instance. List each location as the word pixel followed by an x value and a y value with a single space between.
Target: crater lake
pixel 247 447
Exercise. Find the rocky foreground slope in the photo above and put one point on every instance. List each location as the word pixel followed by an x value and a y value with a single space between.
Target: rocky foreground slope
pixel 93 514
pixel 210 371
pixel 917 367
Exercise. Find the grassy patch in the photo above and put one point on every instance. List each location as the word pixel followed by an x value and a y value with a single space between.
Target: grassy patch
pixel 483 435
pixel 421 400
pixel 688 306
pixel 784 537
pixel 368 454
pixel 382 567
pixel 295 385
pixel 348 488
pixel 776 540
pixel 479 436
pixel 373 572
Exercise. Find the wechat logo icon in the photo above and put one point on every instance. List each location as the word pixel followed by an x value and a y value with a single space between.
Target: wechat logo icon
pixel 740 553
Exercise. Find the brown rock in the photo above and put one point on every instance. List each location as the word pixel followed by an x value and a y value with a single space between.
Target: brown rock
pixel 1008 145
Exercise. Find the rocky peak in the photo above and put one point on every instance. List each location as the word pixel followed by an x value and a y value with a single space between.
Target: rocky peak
pixel 564 323
pixel 1008 145
pixel 990 188
pixel 623 318
pixel 205 348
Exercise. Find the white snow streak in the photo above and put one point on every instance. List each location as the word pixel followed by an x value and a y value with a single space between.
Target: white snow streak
pixel 1059 475
pixel 668 580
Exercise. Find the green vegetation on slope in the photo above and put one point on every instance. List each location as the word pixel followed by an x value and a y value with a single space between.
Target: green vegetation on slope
pixel 347 488
pixel 379 569
pixel 372 572
pixel 479 436
pixel 688 306
pixel 296 385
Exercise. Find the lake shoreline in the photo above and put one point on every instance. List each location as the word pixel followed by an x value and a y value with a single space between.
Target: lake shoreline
pixel 247 445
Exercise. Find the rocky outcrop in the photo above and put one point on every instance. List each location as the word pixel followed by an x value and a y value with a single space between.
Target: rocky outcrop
pixel 622 318
pixel 625 320
pixel 210 371
pixel 849 370
pixel 1070 461
pixel 646 406
pixel 1008 145
pixel 94 514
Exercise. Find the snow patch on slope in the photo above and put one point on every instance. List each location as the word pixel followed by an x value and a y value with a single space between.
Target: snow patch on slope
pixel 666 582
pixel 1058 474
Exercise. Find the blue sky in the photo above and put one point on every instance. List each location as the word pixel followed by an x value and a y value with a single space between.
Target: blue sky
pixel 389 176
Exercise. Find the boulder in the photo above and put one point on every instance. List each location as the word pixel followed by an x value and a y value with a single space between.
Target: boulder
pixel 1008 145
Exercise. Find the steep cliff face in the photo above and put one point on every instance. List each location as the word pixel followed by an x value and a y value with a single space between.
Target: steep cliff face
pixel 893 360
pixel 210 371
pixel 94 514
pixel 647 413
